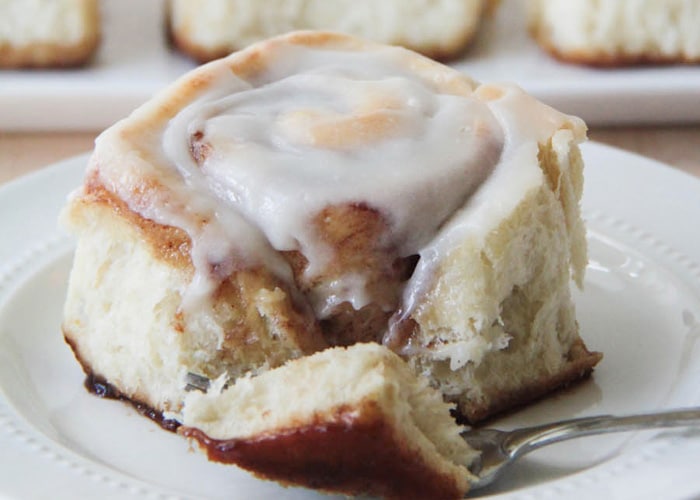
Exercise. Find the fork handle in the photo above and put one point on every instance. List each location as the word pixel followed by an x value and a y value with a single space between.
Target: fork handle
pixel 528 439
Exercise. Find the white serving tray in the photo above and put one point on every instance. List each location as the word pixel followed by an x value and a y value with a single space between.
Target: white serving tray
pixel 135 60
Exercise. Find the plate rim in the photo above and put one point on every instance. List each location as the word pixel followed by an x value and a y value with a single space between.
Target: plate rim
pixel 73 167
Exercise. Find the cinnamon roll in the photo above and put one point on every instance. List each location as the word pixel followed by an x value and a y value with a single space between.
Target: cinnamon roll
pixel 207 29
pixel 48 33
pixel 319 190
pixel 372 427
pixel 618 33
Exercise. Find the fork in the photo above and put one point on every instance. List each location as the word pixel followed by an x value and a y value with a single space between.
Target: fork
pixel 501 448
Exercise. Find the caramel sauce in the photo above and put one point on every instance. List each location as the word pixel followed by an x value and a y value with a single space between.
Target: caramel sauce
pixel 353 454
pixel 103 389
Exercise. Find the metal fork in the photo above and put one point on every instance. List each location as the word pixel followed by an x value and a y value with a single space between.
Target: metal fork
pixel 501 448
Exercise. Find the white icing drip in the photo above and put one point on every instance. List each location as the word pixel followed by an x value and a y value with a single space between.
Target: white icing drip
pixel 351 288
pixel 431 150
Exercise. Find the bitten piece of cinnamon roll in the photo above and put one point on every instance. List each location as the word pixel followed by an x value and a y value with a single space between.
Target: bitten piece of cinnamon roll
pixel 318 190
pixel 372 427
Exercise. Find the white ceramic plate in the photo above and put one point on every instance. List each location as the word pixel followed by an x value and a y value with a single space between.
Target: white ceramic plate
pixel 641 307
pixel 135 61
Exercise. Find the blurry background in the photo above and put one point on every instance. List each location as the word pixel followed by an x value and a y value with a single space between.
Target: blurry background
pixel 47 115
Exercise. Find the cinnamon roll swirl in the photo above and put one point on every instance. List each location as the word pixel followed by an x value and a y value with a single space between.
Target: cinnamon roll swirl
pixel 316 190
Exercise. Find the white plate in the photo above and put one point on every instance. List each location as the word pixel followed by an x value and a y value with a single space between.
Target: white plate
pixel 641 307
pixel 135 61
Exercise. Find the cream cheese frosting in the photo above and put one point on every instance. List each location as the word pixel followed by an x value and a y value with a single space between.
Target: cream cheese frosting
pixel 243 160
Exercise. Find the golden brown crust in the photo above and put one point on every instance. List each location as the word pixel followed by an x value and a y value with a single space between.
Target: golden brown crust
pixel 579 367
pixel 48 55
pixel 202 54
pixel 605 59
pixel 171 244
pixel 256 55
pixel 195 51
pixel 353 450
pixel 247 64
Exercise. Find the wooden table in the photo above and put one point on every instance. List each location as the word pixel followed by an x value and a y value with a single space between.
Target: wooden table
pixel 678 146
